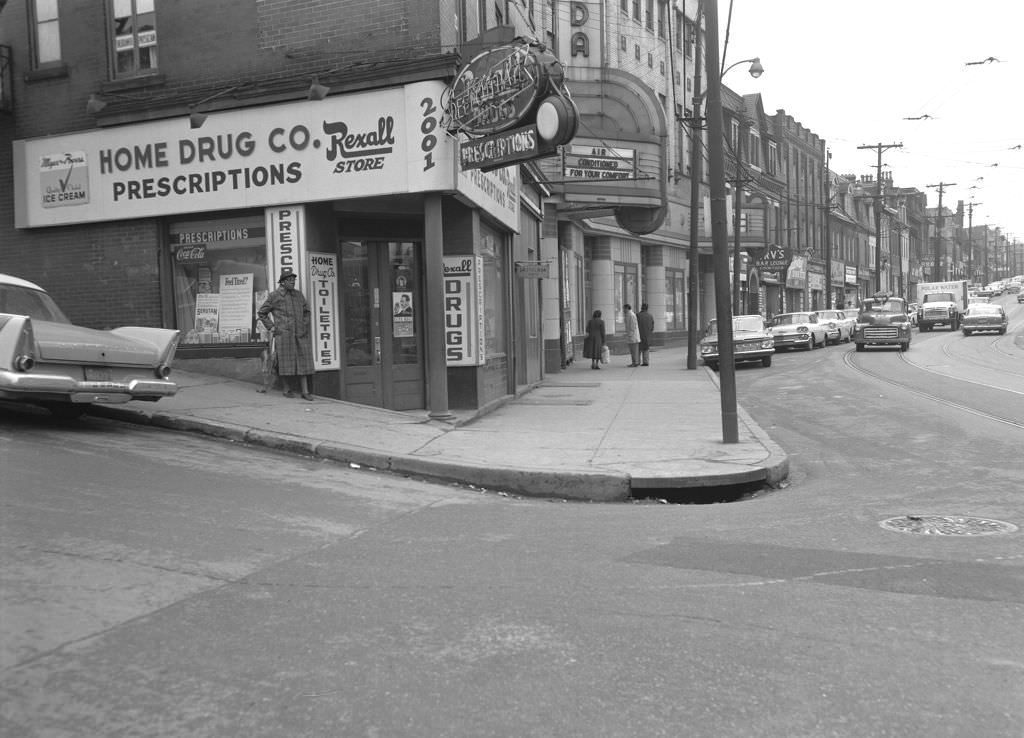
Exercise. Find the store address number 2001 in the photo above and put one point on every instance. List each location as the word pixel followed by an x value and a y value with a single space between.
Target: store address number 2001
pixel 429 124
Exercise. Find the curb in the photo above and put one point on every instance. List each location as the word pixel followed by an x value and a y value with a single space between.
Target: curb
pixel 580 485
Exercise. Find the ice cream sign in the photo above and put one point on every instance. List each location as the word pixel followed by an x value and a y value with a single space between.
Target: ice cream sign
pixel 64 179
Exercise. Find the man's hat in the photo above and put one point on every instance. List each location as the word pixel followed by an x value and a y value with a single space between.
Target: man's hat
pixel 286 274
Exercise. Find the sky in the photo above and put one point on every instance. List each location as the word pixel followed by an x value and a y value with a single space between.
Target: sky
pixel 854 72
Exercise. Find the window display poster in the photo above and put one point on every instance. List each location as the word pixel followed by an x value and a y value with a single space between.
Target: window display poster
pixel 207 312
pixel 402 320
pixel 463 336
pixel 236 303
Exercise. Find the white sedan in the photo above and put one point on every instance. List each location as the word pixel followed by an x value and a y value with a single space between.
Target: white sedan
pixel 838 325
pixel 47 361
pixel 798 330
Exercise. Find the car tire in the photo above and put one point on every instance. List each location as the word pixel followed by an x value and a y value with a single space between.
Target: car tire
pixel 1002 331
pixel 860 346
pixel 967 332
pixel 905 346
pixel 713 365
pixel 766 361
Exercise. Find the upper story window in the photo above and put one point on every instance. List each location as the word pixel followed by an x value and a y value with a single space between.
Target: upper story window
pixel 134 36
pixel 734 137
pixel 773 157
pixel 46 21
pixel 754 149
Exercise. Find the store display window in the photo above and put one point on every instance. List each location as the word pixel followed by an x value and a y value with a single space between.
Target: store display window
pixel 220 279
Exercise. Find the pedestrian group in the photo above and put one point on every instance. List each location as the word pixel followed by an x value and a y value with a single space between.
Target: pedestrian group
pixel 639 329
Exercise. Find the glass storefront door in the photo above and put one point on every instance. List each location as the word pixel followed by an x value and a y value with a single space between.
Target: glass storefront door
pixel 384 327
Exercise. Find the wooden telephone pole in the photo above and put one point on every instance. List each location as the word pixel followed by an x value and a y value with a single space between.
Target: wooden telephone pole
pixel 939 276
pixel 879 148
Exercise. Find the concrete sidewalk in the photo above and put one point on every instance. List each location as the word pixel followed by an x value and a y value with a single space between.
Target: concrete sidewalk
pixel 580 434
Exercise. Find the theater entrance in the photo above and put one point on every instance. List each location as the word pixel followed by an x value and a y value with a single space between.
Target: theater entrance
pixel 383 319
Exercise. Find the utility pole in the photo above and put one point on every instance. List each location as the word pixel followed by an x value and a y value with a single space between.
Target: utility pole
pixel 827 199
pixel 719 230
pixel 970 241
pixel 696 158
pixel 939 276
pixel 737 218
pixel 879 148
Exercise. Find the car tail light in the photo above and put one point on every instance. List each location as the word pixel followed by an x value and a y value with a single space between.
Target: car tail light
pixel 162 371
pixel 24 363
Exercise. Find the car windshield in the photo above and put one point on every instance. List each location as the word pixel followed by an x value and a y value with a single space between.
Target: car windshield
pixel 828 314
pixel 18 300
pixel 791 319
pixel 748 323
pixel 883 306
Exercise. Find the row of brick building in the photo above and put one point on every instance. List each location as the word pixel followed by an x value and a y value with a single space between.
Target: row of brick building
pixel 162 162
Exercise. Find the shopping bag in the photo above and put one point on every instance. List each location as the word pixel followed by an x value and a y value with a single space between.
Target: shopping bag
pixel 606 355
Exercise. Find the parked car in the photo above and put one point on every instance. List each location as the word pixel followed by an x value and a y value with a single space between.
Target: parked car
pixel 751 341
pixel 838 325
pixel 1020 297
pixel 797 330
pixel 47 361
pixel 982 317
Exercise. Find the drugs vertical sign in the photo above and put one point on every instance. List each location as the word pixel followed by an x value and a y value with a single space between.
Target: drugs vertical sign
pixel 463 334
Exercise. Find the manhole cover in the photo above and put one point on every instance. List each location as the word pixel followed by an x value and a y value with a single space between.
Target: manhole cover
pixel 947 525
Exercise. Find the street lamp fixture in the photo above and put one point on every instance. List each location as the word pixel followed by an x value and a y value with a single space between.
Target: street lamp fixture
pixel 755 71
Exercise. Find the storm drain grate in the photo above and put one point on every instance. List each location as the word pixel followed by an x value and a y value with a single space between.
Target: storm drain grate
pixel 947 525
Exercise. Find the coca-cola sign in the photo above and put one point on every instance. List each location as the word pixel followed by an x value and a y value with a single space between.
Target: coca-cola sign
pixel 191 254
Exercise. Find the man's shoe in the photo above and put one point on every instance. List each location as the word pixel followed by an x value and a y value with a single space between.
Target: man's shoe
pixel 307 396
pixel 645 364
pixel 289 393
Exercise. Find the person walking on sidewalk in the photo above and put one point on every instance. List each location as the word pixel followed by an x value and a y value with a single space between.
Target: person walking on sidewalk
pixel 646 322
pixel 593 344
pixel 290 328
pixel 632 334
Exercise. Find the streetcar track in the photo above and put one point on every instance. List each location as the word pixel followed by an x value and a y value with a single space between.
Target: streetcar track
pixel 850 361
pixel 970 360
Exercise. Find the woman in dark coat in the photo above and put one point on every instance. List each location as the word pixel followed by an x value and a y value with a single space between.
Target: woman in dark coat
pixel 594 342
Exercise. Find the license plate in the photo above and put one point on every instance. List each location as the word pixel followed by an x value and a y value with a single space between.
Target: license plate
pixel 98 373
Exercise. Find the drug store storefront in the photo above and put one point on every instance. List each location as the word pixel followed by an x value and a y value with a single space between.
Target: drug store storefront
pixel 404 258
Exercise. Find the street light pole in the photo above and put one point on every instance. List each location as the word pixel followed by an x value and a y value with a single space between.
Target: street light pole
pixel 719 231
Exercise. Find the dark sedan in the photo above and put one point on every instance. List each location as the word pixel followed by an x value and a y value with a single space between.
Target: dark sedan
pixel 984 317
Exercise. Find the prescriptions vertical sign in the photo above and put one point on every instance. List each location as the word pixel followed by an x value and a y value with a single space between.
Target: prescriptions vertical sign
pixel 286 242
pixel 463 311
pixel 323 300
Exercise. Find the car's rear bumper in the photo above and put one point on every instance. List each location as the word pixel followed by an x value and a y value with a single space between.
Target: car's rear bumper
pixel 28 387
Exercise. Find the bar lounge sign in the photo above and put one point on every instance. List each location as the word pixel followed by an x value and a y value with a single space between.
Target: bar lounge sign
pixel 512 104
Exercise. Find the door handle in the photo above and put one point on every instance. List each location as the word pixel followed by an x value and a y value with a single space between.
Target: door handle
pixel 376 349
